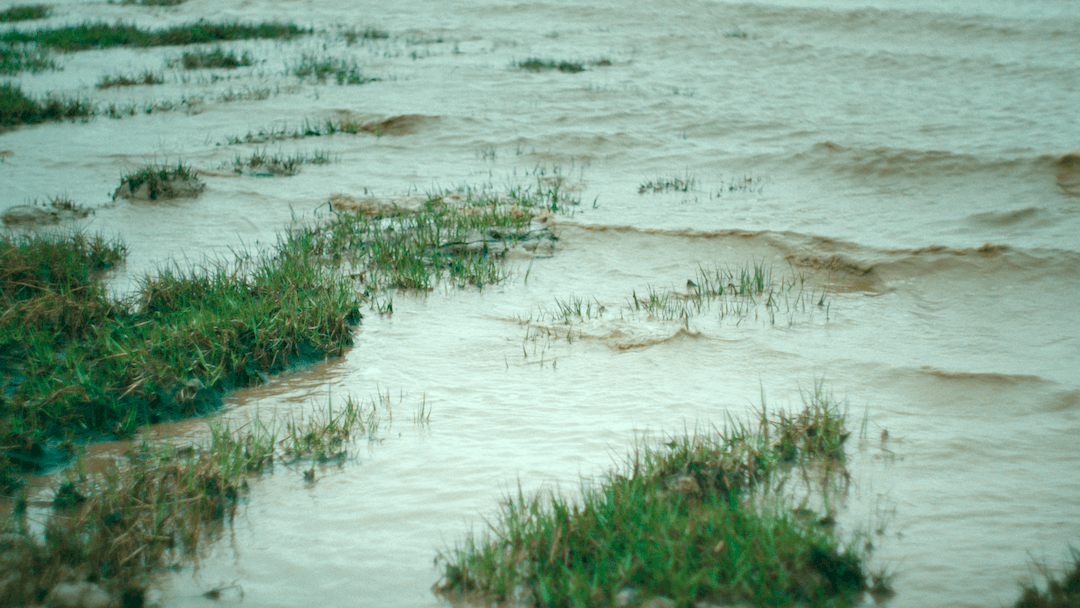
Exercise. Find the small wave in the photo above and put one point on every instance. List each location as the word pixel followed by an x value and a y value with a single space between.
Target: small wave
pixel 1068 173
pixel 984 380
pixel 889 162
pixel 1007 218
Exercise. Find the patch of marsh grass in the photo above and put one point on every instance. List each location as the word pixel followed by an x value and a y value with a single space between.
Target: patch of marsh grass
pixel 214 58
pixel 25 12
pixel 684 183
pixel 154 2
pixel 689 521
pixel 1056 591
pixel 534 64
pixel 264 164
pixel 154 182
pixel 460 236
pixel 18 108
pixel 97 35
pixel 321 68
pixel 353 36
pixel 148 77
pixel 109 530
pixel 20 57
pixel 76 362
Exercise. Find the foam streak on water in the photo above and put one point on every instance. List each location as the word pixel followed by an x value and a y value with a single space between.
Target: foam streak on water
pixel 910 158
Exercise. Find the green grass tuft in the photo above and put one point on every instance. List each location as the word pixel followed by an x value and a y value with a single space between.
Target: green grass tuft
pixel 146 78
pixel 76 362
pixel 214 58
pixel 15 58
pixel 688 521
pixel 25 12
pixel 542 65
pixel 1063 592
pixel 155 182
pixel 98 35
pixel 321 68
pixel 17 108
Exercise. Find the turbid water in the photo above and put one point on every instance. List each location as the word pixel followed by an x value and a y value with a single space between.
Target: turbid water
pixel 910 158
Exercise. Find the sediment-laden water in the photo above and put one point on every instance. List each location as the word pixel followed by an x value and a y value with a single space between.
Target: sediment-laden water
pixel 914 162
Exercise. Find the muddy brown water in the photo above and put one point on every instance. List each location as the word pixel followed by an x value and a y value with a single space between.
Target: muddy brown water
pixel 916 160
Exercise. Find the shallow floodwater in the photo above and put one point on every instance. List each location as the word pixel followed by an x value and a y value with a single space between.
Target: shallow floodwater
pixel 910 159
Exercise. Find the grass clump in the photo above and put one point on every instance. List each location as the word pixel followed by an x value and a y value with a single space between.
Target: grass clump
pixel 76 362
pixel 214 58
pixel 155 2
pixel 352 36
pixel 109 531
pixel 544 65
pixel 264 164
pixel 322 68
pixel 668 184
pixel 146 78
pixel 689 521
pixel 15 58
pixel 99 35
pixel 1058 593
pixel 18 108
pixel 155 182
pixel 25 12
pixel 458 236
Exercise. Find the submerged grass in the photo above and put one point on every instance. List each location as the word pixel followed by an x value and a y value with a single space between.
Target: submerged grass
pixel 262 163
pixel 687 521
pixel 76 362
pixel 321 68
pixel 148 77
pixel 109 530
pixel 15 58
pixel 98 35
pixel 214 58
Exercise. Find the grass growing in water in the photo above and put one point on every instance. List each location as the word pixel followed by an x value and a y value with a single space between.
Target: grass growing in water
pixel 17 108
pixel 321 68
pixel 666 184
pixel 214 58
pixel 25 12
pixel 534 64
pixel 1058 593
pixel 109 531
pixel 690 520
pixel 261 163
pixel 15 58
pixel 146 78
pixel 75 362
pixel 160 181
pixel 97 35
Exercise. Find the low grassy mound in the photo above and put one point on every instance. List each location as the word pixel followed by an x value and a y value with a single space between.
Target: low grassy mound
pixel 694 520
pixel 155 182
pixel 76 362
pixel 25 12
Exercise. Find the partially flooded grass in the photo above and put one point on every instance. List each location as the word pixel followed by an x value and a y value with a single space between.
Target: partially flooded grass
pixel 148 77
pixel 108 531
pixel 458 236
pixel 535 64
pixel 315 67
pixel 21 57
pixel 154 182
pixel 353 36
pixel 738 292
pixel 217 57
pixel 1055 591
pixel 154 2
pixel 25 12
pixel 18 108
pixel 700 518
pixel 76 362
pixel 683 183
pixel 265 164
pixel 99 35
